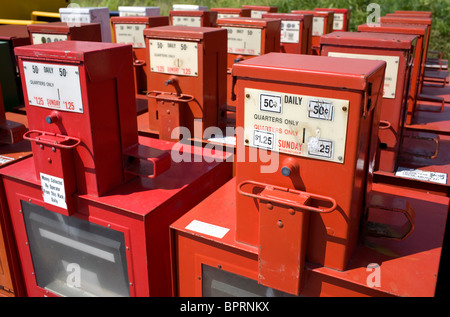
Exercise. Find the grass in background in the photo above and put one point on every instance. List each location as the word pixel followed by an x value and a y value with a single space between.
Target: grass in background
pixel 440 38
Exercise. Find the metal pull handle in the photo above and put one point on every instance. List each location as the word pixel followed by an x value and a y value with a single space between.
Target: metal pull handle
pixel 382 230
pixel 169 97
pixel 289 203
pixel 384 125
pixel 436 140
pixel 52 139
pixel 138 63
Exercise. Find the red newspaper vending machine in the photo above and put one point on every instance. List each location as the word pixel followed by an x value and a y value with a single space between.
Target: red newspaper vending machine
pixel 322 24
pixel 91 208
pixel 197 18
pixel 296 32
pixel 61 31
pixel 281 229
pixel 130 30
pixel 247 38
pixel 256 11
pixel 231 12
pixel 398 51
pixel 341 18
pixel 186 79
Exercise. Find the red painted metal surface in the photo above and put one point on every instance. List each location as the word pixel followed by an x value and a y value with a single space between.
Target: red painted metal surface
pixel 181 96
pixel 341 18
pixel 105 94
pixel 384 46
pixel 231 12
pixel 269 42
pixel 378 267
pixel 420 32
pixel 82 32
pixel 322 24
pixel 300 43
pixel 257 10
pixel 197 18
pixel 332 236
pixel 141 209
pixel 140 58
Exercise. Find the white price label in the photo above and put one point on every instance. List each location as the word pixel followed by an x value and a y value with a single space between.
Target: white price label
pixel 320 109
pixel 264 139
pixel 207 228
pixel 318 25
pixel 174 57
pixel 186 21
pixel 320 147
pixel 257 14
pixel 130 33
pixel 433 177
pixel 40 38
pixel 245 41
pixel 338 21
pixel 53 86
pixel 227 15
pixel 290 31
pixel 271 103
pixel 391 74
pixel 53 190
pixel 300 125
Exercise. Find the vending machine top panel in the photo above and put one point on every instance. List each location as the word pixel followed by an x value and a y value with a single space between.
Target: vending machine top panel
pixel 368 39
pixel 314 70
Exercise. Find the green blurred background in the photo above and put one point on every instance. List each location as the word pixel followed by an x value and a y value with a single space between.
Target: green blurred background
pixel 441 10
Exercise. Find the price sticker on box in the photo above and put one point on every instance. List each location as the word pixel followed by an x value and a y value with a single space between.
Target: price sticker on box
pixel 53 86
pixel 309 126
pixel 174 57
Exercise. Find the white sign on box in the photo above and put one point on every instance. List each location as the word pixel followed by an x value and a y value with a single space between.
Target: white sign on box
pixel 53 190
pixel 53 86
pixel 174 57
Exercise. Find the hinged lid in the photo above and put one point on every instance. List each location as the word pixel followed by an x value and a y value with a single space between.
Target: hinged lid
pixel 369 39
pixel 327 71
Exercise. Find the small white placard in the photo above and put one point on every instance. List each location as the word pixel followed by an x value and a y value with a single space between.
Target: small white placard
pixel 186 21
pixel 245 41
pixel 5 159
pixel 174 57
pixel 434 177
pixel 40 38
pixel 53 190
pixel 207 228
pixel 290 31
pixel 131 33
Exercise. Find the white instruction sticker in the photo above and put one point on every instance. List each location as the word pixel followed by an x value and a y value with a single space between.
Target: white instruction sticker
pixel 318 25
pixel 245 41
pixel 227 15
pixel 207 228
pixel 53 190
pixel 338 22
pixel 40 38
pixel 311 126
pixel 131 33
pixel 5 159
pixel 290 32
pixel 390 77
pixel 433 177
pixel 257 14
pixel 186 21
pixel 53 86
pixel 174 57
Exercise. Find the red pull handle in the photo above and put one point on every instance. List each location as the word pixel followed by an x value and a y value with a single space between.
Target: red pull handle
pixel 52 139
pixel 289 203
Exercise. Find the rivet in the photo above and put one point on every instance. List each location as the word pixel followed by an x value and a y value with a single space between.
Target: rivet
pixel 344 108
pixel 53 149
pixel 247 95
pixel 219 266
pixel 291 211
pixel 269 206
pixel 280 224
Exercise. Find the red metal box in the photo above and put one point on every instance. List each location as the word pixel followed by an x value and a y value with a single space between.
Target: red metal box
pixel 341 18
pixel 61 31
pixel 258 10
pixel 247 38
pixel 231 12
pixel 208 261
pixel 308 116
pixel 186 76
pixel 322 24
pixel 197 18
pixel 130 30
pixel 397 50
pixel 296 32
